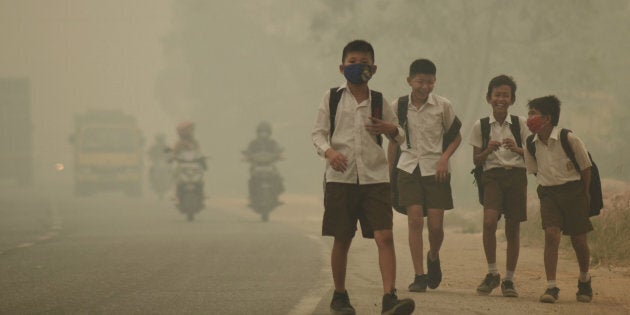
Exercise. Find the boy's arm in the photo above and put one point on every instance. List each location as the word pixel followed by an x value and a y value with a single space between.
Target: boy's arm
pixel 442 165
pixel 392 147
pixel 530 162
pixel 395 132
pixel 321 128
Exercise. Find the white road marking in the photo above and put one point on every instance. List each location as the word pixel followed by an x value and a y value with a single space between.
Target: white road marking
pixel 309 302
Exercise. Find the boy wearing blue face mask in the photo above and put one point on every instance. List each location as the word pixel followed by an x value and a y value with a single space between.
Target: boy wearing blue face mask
pixel 357 180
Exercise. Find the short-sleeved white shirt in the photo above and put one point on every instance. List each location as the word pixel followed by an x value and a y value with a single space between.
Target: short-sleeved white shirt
pixel 426 127
pixel 501 157
pixel 367 163
pixel 551 165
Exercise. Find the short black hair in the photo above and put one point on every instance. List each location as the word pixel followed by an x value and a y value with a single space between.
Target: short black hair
pixel 547 105
pixel 422 66
pixel 357 45
pixel 499 81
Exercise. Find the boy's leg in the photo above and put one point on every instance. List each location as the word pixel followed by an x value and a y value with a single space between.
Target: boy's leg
pixel 386 258
pixel 552 242
pixel 490 221
pixel 512 235
pixel 415 220
pixel 339 262
pixel 435 223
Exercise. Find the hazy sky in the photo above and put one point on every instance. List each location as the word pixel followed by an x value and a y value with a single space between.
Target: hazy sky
pixel 82 54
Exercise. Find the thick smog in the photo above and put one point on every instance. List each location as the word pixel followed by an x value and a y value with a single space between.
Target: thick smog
pixel 320 157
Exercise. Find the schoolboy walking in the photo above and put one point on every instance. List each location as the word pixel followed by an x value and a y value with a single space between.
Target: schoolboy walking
pixel 347 132
pixel 563 191
pixel 421 168
pixel 497 142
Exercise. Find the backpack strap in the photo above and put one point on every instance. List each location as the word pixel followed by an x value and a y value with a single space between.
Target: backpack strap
pixel 566 146
pixel 515 127
pixel 376 104
pixel 485 132
pixel 403 107
pixel 333 102
pixel 451 133
pixel 531 147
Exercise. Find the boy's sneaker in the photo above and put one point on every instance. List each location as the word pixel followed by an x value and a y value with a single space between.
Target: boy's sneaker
pixel 585 292
pixel 340 304
pixel 419 284
pixel 507 288
pixel 550 295
pixel 489 283
pixel 434 272
pixel 393 306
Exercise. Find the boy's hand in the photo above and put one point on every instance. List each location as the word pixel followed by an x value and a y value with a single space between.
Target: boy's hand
pixel 493 145
pixel 441 171
pixel 377 126
pixel 510 144
pixel 337 161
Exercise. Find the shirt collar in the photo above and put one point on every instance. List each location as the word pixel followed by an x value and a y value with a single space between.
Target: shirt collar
pixel 430 100
pixel 555 134
pixel 508 119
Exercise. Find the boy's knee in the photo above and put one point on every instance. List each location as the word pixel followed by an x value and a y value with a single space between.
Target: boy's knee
pixel 384 238
pixel 415 221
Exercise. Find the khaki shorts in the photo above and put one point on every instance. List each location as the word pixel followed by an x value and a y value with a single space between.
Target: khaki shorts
pixel 345 204
pixel 565 206
pixel 505 190
pixel 414 189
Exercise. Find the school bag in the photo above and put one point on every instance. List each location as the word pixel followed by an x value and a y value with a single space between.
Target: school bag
pixel 376 105
pixel 595 188
pixel 448 138
pixel 477 172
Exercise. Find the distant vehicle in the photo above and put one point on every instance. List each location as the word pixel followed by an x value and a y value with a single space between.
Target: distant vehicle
pixel 16 135
pixel 108 153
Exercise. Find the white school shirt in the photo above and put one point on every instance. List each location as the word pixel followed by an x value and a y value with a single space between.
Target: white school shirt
pixel 501 157
pixel 551 165
pixel 367 163
pixel 426 127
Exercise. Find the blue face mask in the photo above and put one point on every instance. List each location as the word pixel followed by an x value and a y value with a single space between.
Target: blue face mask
pixel 358 73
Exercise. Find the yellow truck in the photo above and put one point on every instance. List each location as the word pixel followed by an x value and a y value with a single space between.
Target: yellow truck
pixel 108 153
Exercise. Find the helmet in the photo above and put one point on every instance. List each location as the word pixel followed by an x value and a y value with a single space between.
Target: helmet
pixel 185 128
pixel 264 127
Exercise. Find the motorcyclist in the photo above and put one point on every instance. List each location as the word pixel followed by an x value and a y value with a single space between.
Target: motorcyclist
pixel 187 145
pixel 158 151
pixel 264 151
pixel 159 172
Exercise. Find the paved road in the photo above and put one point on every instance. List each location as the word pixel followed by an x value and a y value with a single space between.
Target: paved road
pixel 121 256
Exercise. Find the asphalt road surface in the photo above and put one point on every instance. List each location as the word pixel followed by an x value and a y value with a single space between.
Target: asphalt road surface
pixel 111 255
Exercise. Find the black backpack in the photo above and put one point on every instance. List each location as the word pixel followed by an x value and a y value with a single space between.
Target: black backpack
pixel 595 188
pixel 477 172
pixel 448 138
pixel 376 105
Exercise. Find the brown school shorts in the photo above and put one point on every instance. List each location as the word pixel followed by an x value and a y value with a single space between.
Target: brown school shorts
pixel 505 190
pixel 414 189
pixel 565 206
pixel 345 204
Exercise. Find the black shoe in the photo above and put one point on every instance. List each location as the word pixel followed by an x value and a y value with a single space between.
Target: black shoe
pixel 340 304
pixel 434 272
pixel 419 284
pixel 393 306
pixel 489 283
pixel 507 289
pixel 585 292
pixel 550 295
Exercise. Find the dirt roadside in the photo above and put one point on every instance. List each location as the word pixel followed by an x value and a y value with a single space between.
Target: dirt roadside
pixel 463 265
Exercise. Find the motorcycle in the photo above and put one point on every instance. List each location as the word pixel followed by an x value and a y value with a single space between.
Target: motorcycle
pixel 189 171
pixel 161 177
pixel 265 185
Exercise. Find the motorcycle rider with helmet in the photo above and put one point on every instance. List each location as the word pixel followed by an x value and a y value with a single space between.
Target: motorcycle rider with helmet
pixel 264 152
